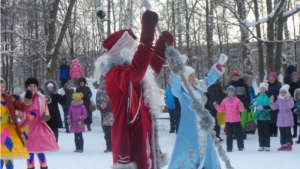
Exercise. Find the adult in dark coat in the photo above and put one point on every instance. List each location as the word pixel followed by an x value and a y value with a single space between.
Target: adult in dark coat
pixel 64 70
pixel 68 93
pixel 288 76
pixel 55 122
pixel 214 94
pixel 294 84
pixel 273 90
pixel 87 94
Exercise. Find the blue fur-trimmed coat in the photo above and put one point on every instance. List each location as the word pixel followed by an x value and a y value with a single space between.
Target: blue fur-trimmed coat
pixel 186 152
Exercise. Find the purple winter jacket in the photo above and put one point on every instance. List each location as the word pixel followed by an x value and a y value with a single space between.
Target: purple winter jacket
pixel 285 116
pixel 75 111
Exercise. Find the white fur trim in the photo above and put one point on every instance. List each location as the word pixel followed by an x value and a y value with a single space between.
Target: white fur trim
pixel 124 166
pixel 126 41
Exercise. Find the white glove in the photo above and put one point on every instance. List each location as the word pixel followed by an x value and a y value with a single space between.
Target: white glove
pixel 184 58
pixel 255 103
pixel 259 107
pixel 62 92
pixel 223 59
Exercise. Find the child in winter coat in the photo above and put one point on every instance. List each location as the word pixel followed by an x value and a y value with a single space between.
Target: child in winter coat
pixel 285 119
pixel 76 72
pixel 232 106
pixel 107 118
pixel 34 126
pixel 77 114
pixel 12 139
pixel 262 116
pixel 297 109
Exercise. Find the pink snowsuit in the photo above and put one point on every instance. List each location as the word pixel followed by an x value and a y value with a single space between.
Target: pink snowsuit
pixel 76 71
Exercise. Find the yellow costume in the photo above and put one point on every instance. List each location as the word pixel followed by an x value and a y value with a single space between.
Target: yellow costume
pixel 12 146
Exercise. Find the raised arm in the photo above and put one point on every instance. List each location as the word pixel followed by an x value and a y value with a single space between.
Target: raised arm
pixel 175 85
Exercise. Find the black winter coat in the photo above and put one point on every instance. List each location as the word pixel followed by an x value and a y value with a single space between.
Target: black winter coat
pixel 55 120
pixel 293 86
pixel 87 94
pixel 273 90
pixel 214 93
pixel 68 94
pixel 288 76
pixel 242 92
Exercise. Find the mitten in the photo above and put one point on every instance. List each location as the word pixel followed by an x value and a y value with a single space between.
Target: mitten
pixel 80 124
pixel 160 46
pixel 28 94
pixel 149 21
pixel 272 99
pixel 62 92
pixel 215 103
pixel 259 107
pixel 223 59
pixel 45 117
pixel 287 96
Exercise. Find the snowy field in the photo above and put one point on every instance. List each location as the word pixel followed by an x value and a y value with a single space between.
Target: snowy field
pixel 94 157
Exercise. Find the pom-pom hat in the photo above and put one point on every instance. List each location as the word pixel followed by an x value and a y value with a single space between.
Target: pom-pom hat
pixel 286 88
pixel 264 85
pixel 77 96
pixel 119 40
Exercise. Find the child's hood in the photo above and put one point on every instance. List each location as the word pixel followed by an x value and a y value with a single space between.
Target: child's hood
pixel 296 94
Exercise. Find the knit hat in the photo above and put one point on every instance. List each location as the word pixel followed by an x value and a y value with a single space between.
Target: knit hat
pixel 285 87
pixel 188 71
pixel 273 74
pixel 50 85
pixel 30 81
pixel 295 73
pixel 230 88
pixel 264 85
pixel 77 96
pixel 119 40
pixel 246 77
pixel 235 73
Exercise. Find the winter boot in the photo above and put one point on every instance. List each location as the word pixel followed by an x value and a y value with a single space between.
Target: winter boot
pixel 261 149
pixel 76 145
pixel 80 145
pixel 107 151
pixel 30 168
pixel 288 147
pixel 298 141
pixel 89 127
pixel 44 167
pixel 267 148
pixel 282 148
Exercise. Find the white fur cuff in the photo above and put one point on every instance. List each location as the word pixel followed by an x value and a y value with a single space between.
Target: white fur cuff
pixel 163 160
pixel 124 166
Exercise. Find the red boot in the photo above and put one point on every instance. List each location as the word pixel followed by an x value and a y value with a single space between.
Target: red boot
pixel 282 148
pixel 289 147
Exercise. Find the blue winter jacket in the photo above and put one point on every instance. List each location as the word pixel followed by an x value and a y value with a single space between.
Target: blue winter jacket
pixel 64 71
pixel 251 92
pixel 261 100
pixel 186 151
pixel 169 98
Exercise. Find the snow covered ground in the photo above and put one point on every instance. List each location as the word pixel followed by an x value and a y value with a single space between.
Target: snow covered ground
pixel 94 157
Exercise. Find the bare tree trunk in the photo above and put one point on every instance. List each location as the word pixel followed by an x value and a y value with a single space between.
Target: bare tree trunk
pixel 108 15
pixel 209 33
pixel 247 65
pixel 52 69
pixel 270 36
pixel 259 44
